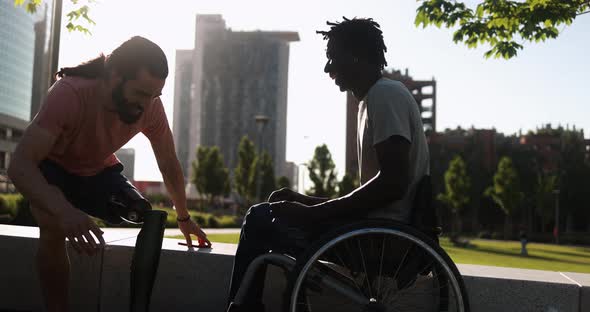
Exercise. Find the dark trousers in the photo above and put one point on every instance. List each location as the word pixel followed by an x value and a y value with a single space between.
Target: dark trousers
pixel 262 232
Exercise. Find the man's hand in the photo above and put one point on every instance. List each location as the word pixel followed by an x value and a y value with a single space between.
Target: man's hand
pixel 77 227
pixel 292 212
pixel 189 227
pixel 284 194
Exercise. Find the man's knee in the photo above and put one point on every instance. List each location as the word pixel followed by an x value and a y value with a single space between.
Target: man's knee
pixel 257 212
pixel 257 218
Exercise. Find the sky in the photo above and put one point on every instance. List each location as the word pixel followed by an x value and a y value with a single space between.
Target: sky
pixel 546 83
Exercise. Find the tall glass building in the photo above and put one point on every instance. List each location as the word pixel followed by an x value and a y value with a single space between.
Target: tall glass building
pixel 17 49
pixel 24 72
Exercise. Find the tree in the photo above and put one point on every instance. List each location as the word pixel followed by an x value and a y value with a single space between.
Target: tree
pixel 81 11
pixel 210 176
pixel 501 23
pixel 242 172
pixel 322 172
pixel 505 192
pixel 262 168
pixel 457 186
pixel 348 184
pixel 545 185
pixel 574 178
pixel 283 181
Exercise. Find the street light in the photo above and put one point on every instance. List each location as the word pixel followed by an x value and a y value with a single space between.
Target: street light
pixel 55 39
pixel 556 228
pixel 261 121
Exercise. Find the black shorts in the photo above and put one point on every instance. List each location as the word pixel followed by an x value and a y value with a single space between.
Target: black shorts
pixel 91 194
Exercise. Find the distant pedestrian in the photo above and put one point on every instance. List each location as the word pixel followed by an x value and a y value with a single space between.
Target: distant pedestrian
pixel 523 242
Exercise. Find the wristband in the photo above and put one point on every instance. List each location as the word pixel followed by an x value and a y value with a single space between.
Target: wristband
pixel 184 219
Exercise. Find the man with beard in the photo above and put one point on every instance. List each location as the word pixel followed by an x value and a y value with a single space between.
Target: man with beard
pixel 392 155
pixel 65 163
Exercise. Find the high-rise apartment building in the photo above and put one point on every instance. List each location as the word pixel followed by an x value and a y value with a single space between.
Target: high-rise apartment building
pixel 221 86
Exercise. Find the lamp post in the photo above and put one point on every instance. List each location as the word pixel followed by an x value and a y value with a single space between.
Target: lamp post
pixel 55 39
pixel 556 228
pixel 261 121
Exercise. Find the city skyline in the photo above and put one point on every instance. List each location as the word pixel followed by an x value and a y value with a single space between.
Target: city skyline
pixel 543 84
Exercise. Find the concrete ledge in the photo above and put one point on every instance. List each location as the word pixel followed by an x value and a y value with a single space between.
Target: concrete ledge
pixel 186 279
pixel 508 289
pixel 198 280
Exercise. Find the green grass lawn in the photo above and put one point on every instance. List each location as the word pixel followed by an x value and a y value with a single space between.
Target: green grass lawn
pixel 498 253
pixel 507 254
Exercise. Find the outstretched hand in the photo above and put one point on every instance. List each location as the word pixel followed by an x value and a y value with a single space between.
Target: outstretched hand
pixel 190 227
pixel 78 228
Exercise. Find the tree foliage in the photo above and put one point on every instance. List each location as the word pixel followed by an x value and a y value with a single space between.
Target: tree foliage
pixel 348 184
pixel 243 170
pixel 546 184
pixel 505 191
pixel 210 176
pixel 77 15
pixel 502 24
pixel 457 185
pixel 322 172
pixel 457 188
pixel 262 169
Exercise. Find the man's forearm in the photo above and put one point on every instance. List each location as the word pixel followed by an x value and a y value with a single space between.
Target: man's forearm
pixel 31 183
pixel 174 181
pixel 375 194
pixel 311 200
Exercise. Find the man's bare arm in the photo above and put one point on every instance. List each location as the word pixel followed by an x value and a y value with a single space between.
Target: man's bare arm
pixel 171 172
pixel 389 185
pixel 24 171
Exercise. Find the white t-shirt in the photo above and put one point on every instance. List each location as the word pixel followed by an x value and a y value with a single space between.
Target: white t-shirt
pixel 390 109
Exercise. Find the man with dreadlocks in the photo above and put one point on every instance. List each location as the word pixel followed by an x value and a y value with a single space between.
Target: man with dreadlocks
pixel 65 166
pixel 392 153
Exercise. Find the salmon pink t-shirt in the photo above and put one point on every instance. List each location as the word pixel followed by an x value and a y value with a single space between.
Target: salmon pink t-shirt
pixel 88 133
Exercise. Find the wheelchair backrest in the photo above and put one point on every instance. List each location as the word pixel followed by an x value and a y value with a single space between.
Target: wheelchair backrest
pixel 423 214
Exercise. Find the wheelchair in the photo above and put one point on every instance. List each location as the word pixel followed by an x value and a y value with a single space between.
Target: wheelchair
pixel 374 265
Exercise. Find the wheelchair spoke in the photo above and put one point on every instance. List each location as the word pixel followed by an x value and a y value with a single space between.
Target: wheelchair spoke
pixel 409 282
pixel 389 270
pixel 365 268
pixel 345 266
pixel 402 262
pixel 381 266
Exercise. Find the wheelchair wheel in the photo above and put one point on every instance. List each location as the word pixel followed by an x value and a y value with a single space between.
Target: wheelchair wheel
pixel 376 266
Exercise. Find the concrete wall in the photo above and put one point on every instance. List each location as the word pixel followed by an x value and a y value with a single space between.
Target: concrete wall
pixel 197 280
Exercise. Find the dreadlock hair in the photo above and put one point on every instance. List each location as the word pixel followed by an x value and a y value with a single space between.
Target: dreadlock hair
pixel 361 36
pixel 127 59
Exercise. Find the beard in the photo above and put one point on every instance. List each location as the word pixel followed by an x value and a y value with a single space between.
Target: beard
pixel 125 109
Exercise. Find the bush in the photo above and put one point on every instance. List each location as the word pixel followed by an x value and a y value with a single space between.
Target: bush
pixel 212 222
pixel 200 219
pixel 9 205
pixel 497 235
pixel 484 235
pixel 228 222
pixel 159 199
pixel 23 215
